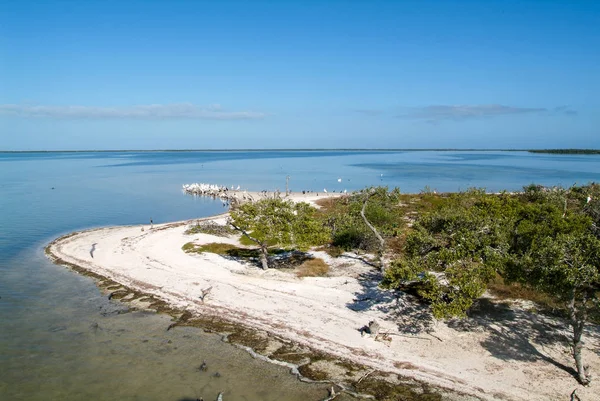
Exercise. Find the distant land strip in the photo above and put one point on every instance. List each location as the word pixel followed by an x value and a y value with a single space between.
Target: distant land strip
pixel 553 151
pixel 568 151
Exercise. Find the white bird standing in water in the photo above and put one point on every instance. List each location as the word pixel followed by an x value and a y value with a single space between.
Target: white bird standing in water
pixel 339 180
pixel 325 190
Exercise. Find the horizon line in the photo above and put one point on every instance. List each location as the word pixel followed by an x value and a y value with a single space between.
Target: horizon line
pixel 296 149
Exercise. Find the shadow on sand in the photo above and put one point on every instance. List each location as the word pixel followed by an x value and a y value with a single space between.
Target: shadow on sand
pixel 410 315
pixel 358 258
pixel 514 334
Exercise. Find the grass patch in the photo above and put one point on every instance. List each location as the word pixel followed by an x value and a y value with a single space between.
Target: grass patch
pixel 210 227
pixel 503 291
pixel 189 247
pixel 218 248
pixel 313 268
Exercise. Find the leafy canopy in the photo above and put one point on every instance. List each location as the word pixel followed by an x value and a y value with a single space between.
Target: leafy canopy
pixel 281 222
pixel 544 238
pixel 348 229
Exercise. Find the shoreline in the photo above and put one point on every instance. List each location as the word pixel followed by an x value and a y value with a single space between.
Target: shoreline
pixel 249 338
pixel 274 314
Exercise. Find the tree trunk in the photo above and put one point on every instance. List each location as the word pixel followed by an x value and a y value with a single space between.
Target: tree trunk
pixel 379 237
pixel 582 375
pixel 264 252
pixel 264 257
pixel 578 323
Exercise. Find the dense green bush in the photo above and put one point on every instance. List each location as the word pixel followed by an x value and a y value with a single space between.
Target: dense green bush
pixel 546 239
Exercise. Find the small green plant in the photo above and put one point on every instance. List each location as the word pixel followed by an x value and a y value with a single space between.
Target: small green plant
pixel 189 247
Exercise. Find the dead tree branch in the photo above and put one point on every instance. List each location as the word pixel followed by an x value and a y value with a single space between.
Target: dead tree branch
pixel 374 230
pixel 365 376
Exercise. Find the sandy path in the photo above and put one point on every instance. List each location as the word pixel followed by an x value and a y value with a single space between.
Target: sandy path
pixel 493 363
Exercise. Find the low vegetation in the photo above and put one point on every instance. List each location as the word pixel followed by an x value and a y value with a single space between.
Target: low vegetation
pixel 279 222
pixel 210 227
pixel 229 250
pixel 541 244
pixel 545 241
pixel 315 267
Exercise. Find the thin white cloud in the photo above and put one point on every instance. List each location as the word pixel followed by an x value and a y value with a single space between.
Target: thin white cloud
pixel 565 110
pixel 437 113
pixel 440 113
pixel 152 111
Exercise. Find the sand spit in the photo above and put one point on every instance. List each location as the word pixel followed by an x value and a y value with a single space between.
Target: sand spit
pixel 519 355
pixel 236 196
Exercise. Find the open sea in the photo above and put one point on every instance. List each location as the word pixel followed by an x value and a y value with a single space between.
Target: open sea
pixel 61 339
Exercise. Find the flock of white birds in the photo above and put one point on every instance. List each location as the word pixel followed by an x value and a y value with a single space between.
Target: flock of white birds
pixel 223 191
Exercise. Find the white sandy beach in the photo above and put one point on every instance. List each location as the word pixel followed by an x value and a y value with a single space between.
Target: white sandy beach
pixel 506 360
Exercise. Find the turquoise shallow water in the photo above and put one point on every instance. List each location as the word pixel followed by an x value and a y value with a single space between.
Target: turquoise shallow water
pixel 61 339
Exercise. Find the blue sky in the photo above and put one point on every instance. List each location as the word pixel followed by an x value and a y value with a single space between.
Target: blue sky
pixel 299 74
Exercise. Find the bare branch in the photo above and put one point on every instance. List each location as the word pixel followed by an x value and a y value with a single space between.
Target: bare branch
pixel 332 395
pixel 374 230
pixel 245 233
pixel 365 376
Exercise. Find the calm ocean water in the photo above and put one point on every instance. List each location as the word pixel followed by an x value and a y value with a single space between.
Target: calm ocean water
pixel 50 346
